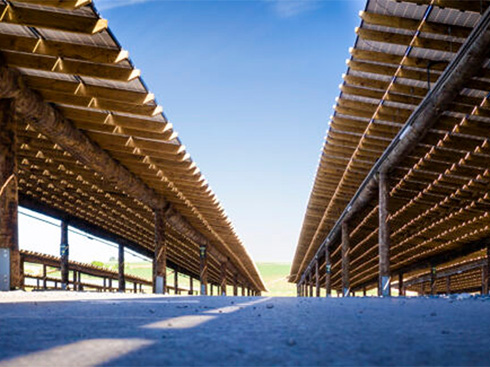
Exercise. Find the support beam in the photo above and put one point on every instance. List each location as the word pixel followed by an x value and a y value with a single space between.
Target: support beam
pixel 345 259
pixel 121 279
pixel 328 271
pixel 176 281
pixel 160 257
pixel 310 285
pixel 317 279
pixel 486 273
pixel 433 274
pixel 243 290
pixel 191 286
pixel 235 285
pixel 448 284
pixel 203 274
pixel 64 255
pixel 384 288
pixel 401 289
pixel 9 199
pixel 223 278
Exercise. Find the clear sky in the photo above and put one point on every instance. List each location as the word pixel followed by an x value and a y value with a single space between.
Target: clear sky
pixel 249 87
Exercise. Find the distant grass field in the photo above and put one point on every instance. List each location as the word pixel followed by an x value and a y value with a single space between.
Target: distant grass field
pixel 275 278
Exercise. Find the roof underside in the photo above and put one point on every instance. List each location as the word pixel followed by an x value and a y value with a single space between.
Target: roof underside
pixel 439 192
pixel 66 53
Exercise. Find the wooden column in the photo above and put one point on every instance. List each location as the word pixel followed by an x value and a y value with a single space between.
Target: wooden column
pixel 364 291
pixel 328 271
pixel 160 257
pixel 223 278
pixel 79 280
pixel 448 285
pixel 433 273
pixel 75 288
pixel 243 290
pixel 317 279
pixel 64 255
pixel 211 289
pixel 345 259
pixel 235 285
pixel 203 270
pixel 121 279
pixel 9 199
pixel 176 281
pixel 248 292
pixel 45 276
pixel 310 285
pixel 110 284
pixel 191 286
pixel 384 288
pixel 401 290
pixel 486 273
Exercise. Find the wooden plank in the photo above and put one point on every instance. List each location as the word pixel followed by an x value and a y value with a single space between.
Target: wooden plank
pixel 9 200
pixel 384 288
pixel 44 18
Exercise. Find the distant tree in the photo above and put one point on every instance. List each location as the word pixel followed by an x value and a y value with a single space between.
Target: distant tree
pixel 112 258
pixel 98 263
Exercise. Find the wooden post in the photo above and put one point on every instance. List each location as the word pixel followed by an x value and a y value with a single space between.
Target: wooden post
pixel 64 254
pixel 248 292
pixel 384 288
pixel 9 199
pixel 223 278
pixel 135 287
pixel 105 284
pixel 235 285
pixel 364 291
pixel 345 259
pixel 433 273
pixel 110 284
pixel 243 290
pixel 422 288
pixel 328 271
pixel 486 273
pixel 203 269
pixel 211 289
pixel 448 285
pixel 310 284
pixel 160 257
pixel 317 279
pixel 191 286
pixel 176 281
pixel 75 288
pixel 22 275
pixel 121 278
pixel 484 277
pixel 45 275
pixel 401 289
pixel 80 285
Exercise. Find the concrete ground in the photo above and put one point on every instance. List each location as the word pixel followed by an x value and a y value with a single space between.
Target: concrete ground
pixel 69 329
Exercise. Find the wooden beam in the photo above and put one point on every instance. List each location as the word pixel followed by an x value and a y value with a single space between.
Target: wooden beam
pixel 384 288
pixel 328 271
pixel 121 278
pixel 203 269
pixel 64 4
pixel 345 260
pixel 448 284
pixel 9 200
pixel 64 255
pixel 176 281
pixel 401 288
pixel 223 278
pixel 45 18
pixel 433 277
pixel 317 279
pixel 160 257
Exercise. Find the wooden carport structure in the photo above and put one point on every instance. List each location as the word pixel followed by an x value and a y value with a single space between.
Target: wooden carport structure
pixel 403 180
pixel 83 140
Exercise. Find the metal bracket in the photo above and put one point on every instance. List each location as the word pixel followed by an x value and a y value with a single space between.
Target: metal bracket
pixel 4 269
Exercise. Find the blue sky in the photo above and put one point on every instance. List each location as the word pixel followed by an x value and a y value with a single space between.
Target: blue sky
pixel 249 87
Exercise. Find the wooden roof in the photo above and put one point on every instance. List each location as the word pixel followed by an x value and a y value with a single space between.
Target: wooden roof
pixel 66 53
pixel 439 192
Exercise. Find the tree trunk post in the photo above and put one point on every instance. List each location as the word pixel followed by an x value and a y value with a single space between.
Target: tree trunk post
pixel 317 278
pixel 223 278
pixel 345 259
pixel 191 286
pixel 433 274
pixel 45 276
pixel 64 255
pixel 384 287
pixel 235 285
pixel 203 269
pixel 176 281
pixel 9 199
pixel 448 285
pixel 160 256
pixel 401 289
pixel 328 271
pixel 121 279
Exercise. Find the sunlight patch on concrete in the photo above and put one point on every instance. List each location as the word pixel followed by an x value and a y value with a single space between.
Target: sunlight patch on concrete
pixel 181 322
pixel 83 353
